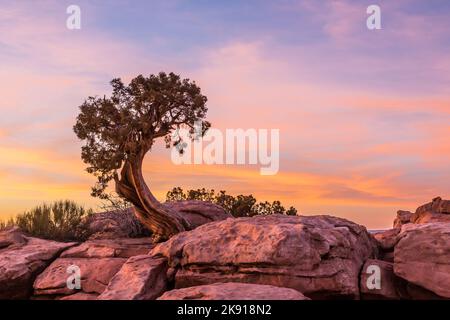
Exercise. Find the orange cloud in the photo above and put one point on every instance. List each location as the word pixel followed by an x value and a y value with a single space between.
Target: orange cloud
pixel 342 151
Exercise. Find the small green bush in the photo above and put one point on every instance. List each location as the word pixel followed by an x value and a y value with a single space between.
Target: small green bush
pixel 238 206
pixel 58 221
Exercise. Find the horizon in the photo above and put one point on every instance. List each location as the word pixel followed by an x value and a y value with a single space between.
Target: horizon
pixel 363 114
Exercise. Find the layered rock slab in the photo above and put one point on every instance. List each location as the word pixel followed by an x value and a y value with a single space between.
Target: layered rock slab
pixel 438 210
pixel 140 278
pixel 320 256
pixel 422 256
pixel 233 291
pixel 98 261
pixel 21 259
pixel 378 281
pixel 197 212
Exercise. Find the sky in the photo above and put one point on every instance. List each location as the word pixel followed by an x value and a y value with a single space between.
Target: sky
pixel 364 115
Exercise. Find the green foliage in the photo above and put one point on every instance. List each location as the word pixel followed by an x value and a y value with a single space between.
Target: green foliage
pixel 239 206
pixel 123 127
pixel 58 221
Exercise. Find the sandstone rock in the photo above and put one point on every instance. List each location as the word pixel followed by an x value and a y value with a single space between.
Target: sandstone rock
pixel 422 256
pixel 436 205
pixel 11 235
pixel 140 278
pixel 320 256
pixel 80 296
pixel 107 248
pixel 436 211
pixel 95 275
pixel 415 292
pixel 22 260
pixel 233 291
pixel 403 217
pixel 98 260
pixel 387 256
pixel 387 239
pixel 391 287
pixel 124 223
pixel 112 225
pixel 198 212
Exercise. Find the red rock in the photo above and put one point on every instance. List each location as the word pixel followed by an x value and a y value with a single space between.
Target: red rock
pixel 198 212
pixel 418 293
pixel 436 211
pixel 391 286
pixel 403 217
pixel 387 239
pixel 124 224
pixel 320 256
pixel 80 296
pixel 95 275
pixel 108 248
pixel 140 278
pixel 98 260
pixel 422 256
pixel 233 291
pixel 11 235
pixel 387 256
pixel 22 260
pixel 112 225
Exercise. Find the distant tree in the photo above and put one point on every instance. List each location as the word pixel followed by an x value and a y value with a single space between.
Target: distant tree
pixel 176 194
pixel 238 206
pixel 118 131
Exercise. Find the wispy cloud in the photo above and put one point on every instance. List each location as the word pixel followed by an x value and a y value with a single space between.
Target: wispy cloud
pixel 363 115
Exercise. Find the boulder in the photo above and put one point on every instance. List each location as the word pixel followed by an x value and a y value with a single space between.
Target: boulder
pixel 403 217
pixel 391 287
pixel 11 235
pixel 198 212
pixel 415 292
pixel 112 225
pixel 320 256
pixel 422 256
pixel 387 256
pixel 98 260
pixel 95 275
pixel 233 291
pixel 124 224
pixel 80 296
pixel 387 239
pixel 436 211
pixel 140 278
pixel 22 260
pixel 107 248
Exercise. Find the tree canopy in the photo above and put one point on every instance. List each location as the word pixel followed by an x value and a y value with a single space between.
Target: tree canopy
pixel 125 125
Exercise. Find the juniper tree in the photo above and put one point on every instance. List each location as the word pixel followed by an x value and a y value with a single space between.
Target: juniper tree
pixel 118 131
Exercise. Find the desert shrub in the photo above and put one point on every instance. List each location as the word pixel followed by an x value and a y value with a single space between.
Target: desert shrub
pixel 6 224
pixel 238 206
pixel 58 221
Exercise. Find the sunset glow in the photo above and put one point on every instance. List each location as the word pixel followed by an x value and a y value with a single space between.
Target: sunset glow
pixel 364 116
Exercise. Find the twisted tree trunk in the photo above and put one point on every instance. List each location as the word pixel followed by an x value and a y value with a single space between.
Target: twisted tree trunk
pixel 163 222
